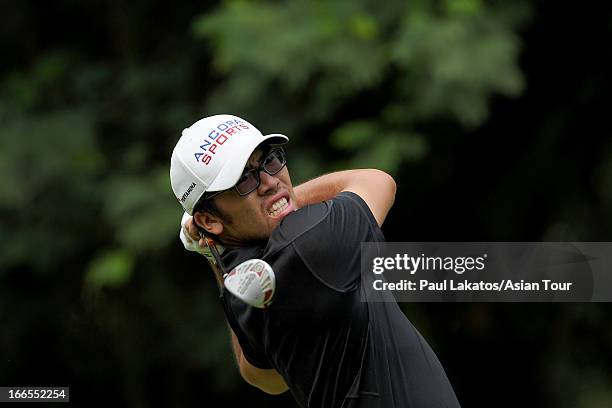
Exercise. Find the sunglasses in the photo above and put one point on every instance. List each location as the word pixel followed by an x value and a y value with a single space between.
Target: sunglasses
pixel 272 163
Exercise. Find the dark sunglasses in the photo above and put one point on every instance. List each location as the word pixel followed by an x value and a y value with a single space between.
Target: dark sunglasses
pixel 272 163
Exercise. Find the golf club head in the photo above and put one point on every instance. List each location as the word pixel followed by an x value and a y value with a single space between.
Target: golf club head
pixel 253 282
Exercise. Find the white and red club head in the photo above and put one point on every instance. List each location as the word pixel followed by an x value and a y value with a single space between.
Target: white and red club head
pixel 253 282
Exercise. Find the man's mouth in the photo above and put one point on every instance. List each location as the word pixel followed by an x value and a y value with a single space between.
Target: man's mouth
pixel 278 207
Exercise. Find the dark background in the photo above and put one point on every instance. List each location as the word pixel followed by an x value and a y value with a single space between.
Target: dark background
pixel 492 116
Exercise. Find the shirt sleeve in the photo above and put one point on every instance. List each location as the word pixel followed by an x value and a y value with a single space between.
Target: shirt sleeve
pixel 254 356
pixel 332 248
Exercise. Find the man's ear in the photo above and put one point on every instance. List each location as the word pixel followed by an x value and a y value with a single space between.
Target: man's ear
pixel 211 223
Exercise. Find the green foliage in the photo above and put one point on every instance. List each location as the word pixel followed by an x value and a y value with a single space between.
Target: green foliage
pixel 91 267
pixel 143 210
pixel 48 163
pixel 110 269
pixel 88 215
pixel 388 151
pixel 316 57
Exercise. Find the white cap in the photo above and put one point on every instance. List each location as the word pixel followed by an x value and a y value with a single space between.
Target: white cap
pixel 211 155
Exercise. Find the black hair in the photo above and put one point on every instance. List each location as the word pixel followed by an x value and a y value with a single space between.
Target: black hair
pixel 205 204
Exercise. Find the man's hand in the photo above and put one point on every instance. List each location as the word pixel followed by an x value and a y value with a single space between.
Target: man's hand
pixel 192 240
pixel 190 235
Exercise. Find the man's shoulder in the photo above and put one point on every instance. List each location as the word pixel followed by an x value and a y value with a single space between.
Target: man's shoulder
pixel 322 221
pixel 298 223
pixel 326 239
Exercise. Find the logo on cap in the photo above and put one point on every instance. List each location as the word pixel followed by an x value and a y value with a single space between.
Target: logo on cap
pixel 217 137
pixel 189 190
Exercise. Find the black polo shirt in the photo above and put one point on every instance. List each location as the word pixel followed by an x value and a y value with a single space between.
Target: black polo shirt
pixel 332 348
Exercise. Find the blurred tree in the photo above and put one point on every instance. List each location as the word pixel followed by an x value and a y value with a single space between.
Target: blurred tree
pixel 95 290
pixel 367 74
pixel 92 280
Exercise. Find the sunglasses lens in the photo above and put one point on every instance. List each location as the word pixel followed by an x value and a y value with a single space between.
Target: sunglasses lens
pixel 248 182
pixel 274 162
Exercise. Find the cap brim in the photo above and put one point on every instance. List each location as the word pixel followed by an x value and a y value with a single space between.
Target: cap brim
pixel 232 170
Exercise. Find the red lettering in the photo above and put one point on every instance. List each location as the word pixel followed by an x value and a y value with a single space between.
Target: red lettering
pixel 206 159
pixel 212 148
pixel 222 139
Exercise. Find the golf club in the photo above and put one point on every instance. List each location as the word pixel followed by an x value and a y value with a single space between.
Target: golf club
pixel 252 281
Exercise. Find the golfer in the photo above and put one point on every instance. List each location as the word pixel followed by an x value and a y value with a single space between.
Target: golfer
pixel 318 338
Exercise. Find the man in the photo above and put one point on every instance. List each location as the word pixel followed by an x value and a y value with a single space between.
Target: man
pixel 318 338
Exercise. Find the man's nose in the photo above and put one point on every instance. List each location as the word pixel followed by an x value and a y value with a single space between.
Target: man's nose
pixel 267 183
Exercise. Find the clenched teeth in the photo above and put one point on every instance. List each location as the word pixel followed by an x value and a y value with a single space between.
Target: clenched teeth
pixel 278 207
